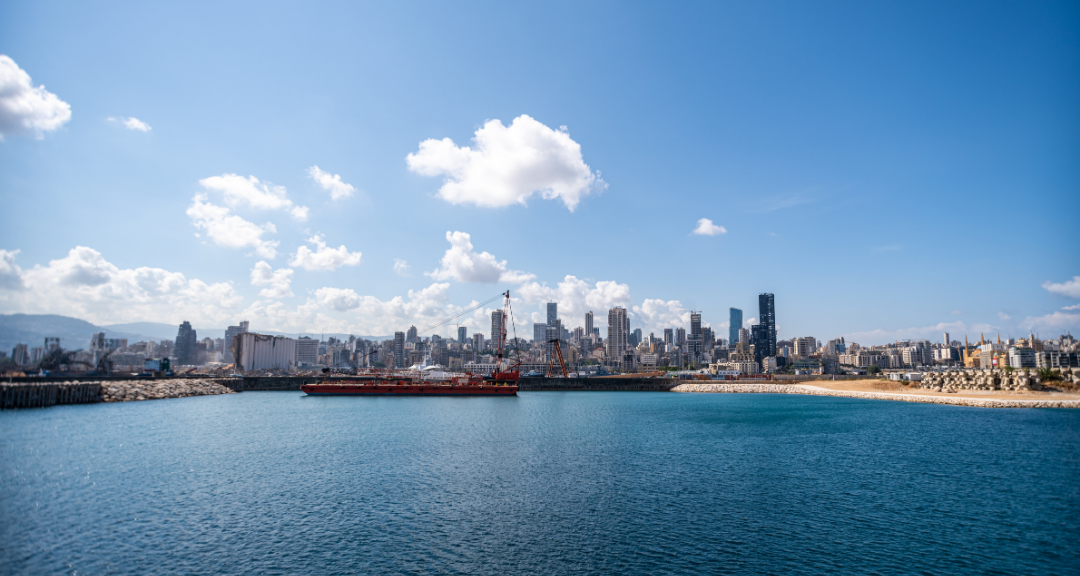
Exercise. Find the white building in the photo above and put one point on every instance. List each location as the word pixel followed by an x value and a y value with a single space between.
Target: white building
pixel 618 332
pixel 307 351
pixel 259 352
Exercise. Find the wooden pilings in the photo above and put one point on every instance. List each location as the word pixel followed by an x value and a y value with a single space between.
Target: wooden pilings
pixel 43 395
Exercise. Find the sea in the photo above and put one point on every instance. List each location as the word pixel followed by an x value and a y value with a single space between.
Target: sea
pixel 541 483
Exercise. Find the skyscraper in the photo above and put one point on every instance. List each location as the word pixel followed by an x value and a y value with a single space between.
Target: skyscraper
pixel 399 349
pixel 618 330
pixel 412 335
pixel 767 318
pixel 478 341
pixel 669 336
pixel 946 339
pixel 735 324
pixel 462 333
pixel 696 343
pixel 230 335
pixel 588 323
pixel 186 348
pixel 552 313
pixel 496 327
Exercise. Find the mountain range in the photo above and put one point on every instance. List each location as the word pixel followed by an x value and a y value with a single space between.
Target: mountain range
pixel 31 329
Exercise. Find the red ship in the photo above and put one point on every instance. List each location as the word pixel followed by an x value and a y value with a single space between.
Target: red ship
pixel 495 384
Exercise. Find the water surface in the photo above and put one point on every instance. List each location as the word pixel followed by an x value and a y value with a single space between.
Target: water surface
pixel 639 483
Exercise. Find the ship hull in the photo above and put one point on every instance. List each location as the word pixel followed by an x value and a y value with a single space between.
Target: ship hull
pixel 408 390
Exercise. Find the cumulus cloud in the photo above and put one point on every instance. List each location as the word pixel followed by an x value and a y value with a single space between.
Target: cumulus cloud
pixel 230 230
pixel 654 314
pixel 249 191
pixel 131 123
pixel 331 183
pixel 1058 322
pixel 10 273
pixel 463 264
pixel 1070 288
pixel 359 314
pixel 25 109
pixel 1073 307
pixel 277 281
pixel 401 267
pixel 576 297
pixel 340 299
pixel 705 227
pixel 85 285
pixel 323 257
pixel 1004 316
pixel 507 165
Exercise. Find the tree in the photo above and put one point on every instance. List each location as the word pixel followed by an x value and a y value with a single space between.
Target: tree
pixel 873 369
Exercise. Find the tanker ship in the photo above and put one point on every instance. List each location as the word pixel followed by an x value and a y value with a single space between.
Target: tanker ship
pixel 502 381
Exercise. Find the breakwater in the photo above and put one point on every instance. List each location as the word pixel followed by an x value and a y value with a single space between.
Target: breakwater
pixel 816 391
pixel 595 384
pixel 48 394
pixel 43 395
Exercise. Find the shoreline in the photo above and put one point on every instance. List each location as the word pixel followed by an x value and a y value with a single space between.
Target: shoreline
pixel 813 390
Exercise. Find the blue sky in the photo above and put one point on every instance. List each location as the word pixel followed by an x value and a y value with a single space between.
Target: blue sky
pixel 887 170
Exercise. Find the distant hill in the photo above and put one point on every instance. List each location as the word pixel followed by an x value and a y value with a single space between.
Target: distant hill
pixel 31 329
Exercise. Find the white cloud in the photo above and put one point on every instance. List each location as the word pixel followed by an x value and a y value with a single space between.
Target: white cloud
pixel 131 123
pixel 10 273
pixel 277 280
pixel 324 258
pixel 1073 307
pixel 956 312
pixel 84 285
pixel 705 227
pixel 655 314
pixel 251 192
pixel 25 109
pixel 461 263
pixel 331 183
pixel 508 165
pixel 340 299
pixel 1004 316
pixel 1059 322
pixel 933 332
pixel 358 314
pixel 231 231
pixel 576 297
pixel 1070 288
pixel 401 267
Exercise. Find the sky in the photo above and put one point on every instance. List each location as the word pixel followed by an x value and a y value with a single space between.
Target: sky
pixel 889 170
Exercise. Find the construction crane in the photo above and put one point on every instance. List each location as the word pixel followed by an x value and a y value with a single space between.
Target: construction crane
pixel 556 351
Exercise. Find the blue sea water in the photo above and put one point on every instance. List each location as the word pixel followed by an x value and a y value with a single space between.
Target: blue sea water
pixel 544 483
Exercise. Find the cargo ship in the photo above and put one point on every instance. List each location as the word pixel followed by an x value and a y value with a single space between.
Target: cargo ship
pixel 503 381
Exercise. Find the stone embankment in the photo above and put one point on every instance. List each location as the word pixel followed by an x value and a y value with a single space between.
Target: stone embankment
pixel 816 391
pixel 131 390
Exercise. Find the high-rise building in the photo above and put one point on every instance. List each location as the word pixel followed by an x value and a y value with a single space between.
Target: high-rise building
pixel 230 340
pixel 478 341
pixel 635 337
pixel 306 350
pixel 669 336
pixel 946 339
pixel 680 336
pixel 411 335
pixel 186 349
pixel 496 327
pixel 696 343
pixel 618 331
pixel 588 323
pixel 462 333
pixel 399 349
pixel 804 347
pixel 552 313
pixel 20 355
pixel 767 319
pixel 735 324
pixel 540 332
pixel 707 337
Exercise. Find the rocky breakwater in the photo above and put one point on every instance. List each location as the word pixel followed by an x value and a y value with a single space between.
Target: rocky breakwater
pixel 997 379
pixel 131 390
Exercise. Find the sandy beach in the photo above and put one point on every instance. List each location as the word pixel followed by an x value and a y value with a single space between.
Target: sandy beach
pixel 888 390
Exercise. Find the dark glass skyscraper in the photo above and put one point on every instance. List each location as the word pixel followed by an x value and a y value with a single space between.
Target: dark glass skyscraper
pixel 186 350
pixel 734 325
pixel 765 342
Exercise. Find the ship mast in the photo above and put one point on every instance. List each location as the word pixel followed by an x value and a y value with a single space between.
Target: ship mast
pixel 502 331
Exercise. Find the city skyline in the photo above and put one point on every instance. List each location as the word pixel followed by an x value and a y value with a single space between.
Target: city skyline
pixel 312 203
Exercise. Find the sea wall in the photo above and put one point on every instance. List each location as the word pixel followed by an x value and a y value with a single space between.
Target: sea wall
pixel 595 384
pixel 814 391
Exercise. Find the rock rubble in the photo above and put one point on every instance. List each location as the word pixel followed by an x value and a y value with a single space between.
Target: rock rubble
pixel 996 379
pixel 132 390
